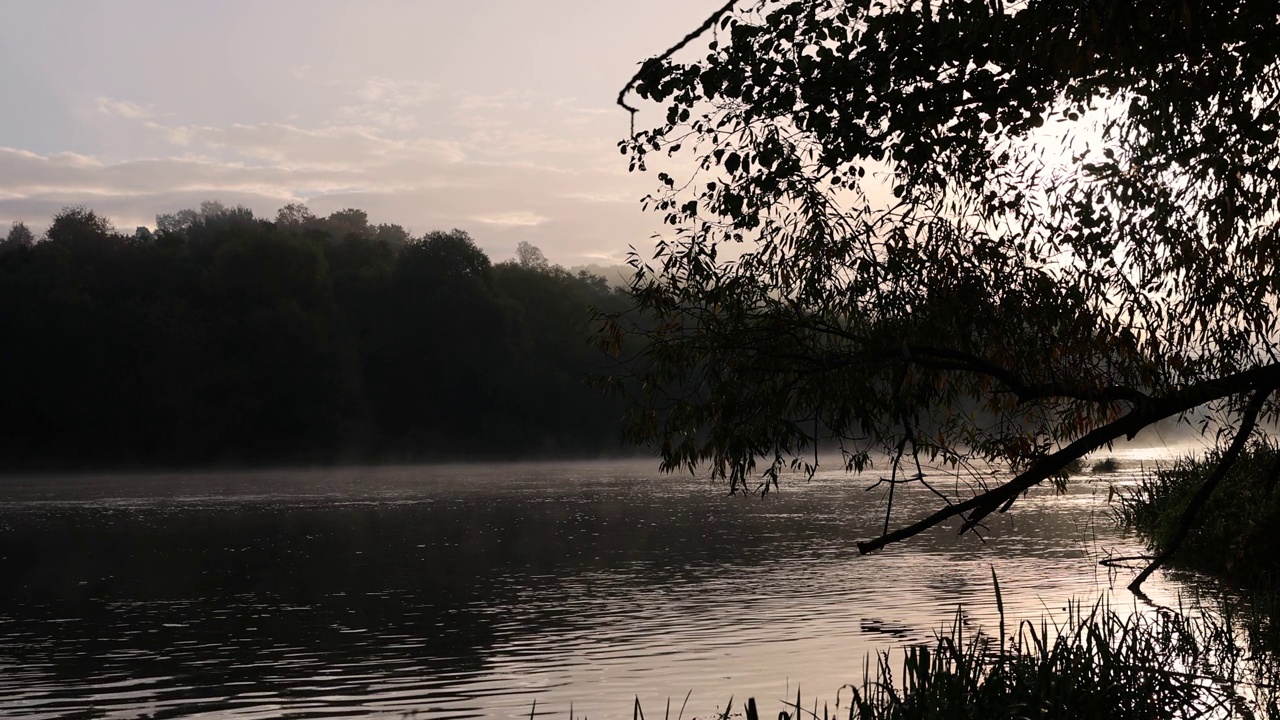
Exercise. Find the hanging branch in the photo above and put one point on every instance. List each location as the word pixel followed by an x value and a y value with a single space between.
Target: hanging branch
pixel 706 25
pixel 1247 423
pixel 1262 380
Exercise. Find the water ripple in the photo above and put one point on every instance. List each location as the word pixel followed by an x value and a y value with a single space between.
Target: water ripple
pixel 470 592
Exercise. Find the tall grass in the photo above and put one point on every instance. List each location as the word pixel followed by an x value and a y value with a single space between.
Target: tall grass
pixel 1092 664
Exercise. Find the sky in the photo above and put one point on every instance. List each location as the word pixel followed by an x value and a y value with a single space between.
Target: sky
pixel 493 116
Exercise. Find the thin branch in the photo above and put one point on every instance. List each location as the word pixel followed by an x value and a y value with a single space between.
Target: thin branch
pixel 706 25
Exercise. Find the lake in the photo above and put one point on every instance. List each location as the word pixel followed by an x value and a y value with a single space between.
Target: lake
pixel 473 590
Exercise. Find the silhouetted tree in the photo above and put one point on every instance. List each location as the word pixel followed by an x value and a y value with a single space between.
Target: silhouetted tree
pixel 958 231
pixel 20 236
pixel 295 215
pixel 225 338
pixel 348 222
pixel 530 257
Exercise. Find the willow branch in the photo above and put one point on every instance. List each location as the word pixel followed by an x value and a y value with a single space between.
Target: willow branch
pixel 1262 380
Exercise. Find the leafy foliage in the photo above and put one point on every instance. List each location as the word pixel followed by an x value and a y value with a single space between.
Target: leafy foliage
pixel 223 338
pixel 956 231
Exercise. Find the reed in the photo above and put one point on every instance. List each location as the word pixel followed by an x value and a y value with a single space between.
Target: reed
pixel 1106 465
pixel 1094 663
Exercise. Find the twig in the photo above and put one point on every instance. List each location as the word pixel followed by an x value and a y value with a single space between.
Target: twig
pixel 706 24
pixel 1116 561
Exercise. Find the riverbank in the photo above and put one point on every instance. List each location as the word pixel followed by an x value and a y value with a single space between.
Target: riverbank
pixel 1236 537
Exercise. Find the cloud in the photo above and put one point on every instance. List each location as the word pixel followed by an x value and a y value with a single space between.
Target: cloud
pixel 505 101
pixel 384 119
pixel 122 109
pixel 506 167
pixel 573 113
pixel 388 104
pixel 397 93
pixel 26 174
pixel 603 197
pixel 292 146
pixel 517 219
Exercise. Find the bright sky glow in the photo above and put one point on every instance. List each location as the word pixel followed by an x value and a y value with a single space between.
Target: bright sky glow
pixel 494 116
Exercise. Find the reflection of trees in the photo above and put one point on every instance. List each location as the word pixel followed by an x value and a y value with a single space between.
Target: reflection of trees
pixel 225 338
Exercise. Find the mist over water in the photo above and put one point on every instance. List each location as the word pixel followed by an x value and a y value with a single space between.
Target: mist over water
pixel 471 591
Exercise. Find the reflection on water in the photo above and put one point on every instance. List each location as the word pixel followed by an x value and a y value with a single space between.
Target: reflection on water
pixel 469 591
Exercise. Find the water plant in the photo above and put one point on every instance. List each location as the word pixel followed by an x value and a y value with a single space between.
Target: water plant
pixel 1238 533
pixel 1095 663
pixel 1106 465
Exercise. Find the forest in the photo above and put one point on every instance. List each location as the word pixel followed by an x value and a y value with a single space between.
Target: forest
pixel 223 339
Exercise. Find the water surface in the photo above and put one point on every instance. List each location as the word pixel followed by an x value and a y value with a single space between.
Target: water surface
pixel 471 591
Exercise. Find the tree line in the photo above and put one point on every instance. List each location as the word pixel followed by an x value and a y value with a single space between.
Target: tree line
pixel 223 338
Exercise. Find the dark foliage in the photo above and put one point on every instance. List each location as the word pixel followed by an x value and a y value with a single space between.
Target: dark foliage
pixel 955 233
pixel 222 338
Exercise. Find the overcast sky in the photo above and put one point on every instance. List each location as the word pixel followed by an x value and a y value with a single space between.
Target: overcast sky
pixel 495 116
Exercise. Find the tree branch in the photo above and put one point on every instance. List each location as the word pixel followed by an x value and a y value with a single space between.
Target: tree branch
pixel 951 359
pixel 1027 392
pixel 1261 380
pixel 706 24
